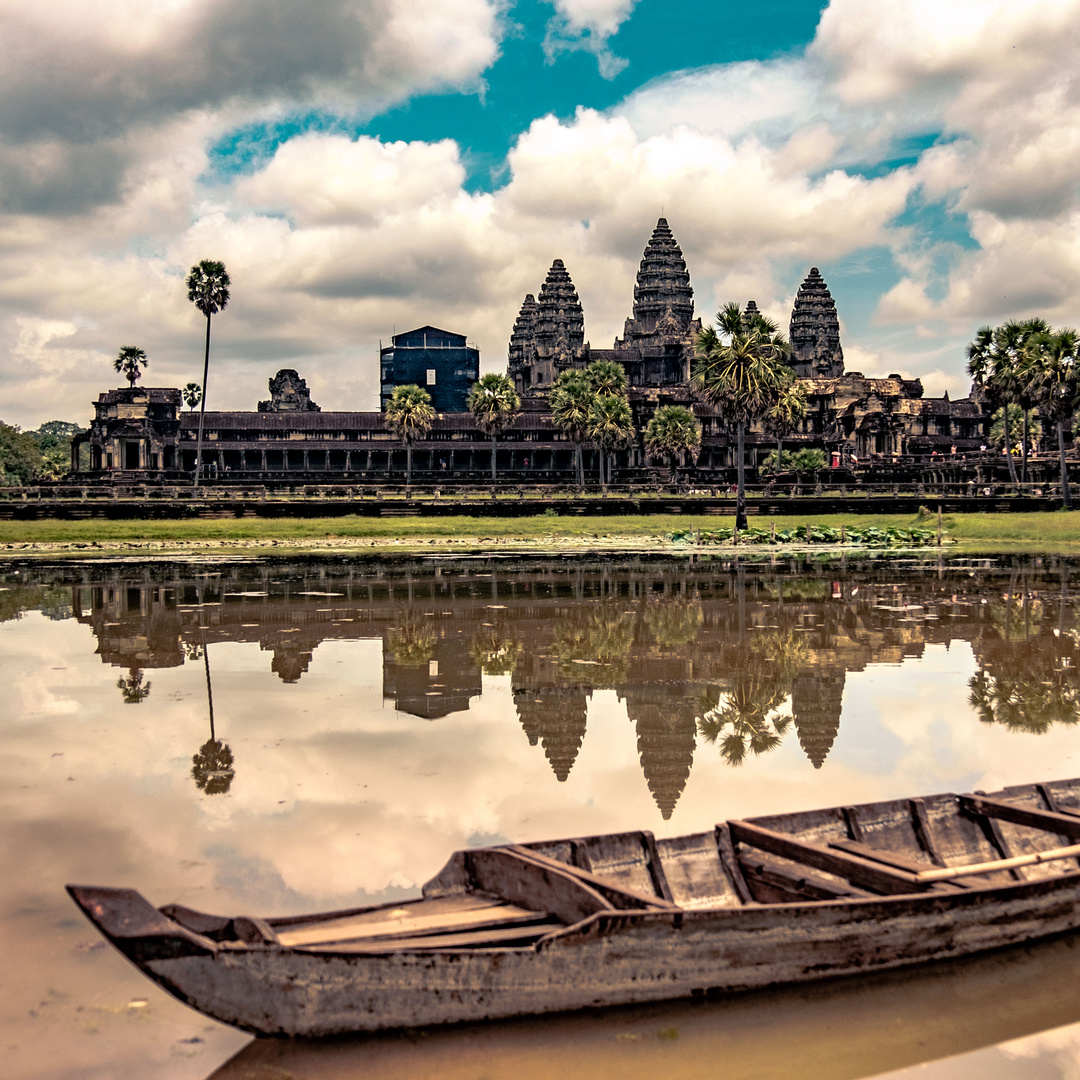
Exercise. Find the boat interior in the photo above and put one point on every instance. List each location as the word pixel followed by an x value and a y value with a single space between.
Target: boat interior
pixel 515 896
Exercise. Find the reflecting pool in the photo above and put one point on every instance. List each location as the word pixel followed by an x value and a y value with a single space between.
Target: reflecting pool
pixel 280 736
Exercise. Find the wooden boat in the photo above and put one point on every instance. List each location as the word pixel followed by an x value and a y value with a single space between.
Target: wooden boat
pixel 604 920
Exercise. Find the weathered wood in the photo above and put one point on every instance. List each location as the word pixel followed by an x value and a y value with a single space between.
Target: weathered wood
pixel 1034 859
pixel 616 896
pixel 924 831
pixel 730 862
pixel 527 882
pixel 413 922
pixel 777 881
pixel 494 937
pixel 857 870
pixel 1063 824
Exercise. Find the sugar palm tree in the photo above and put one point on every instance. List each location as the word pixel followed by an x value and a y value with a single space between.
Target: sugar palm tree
pixel 409 416
pixel 611 428
pixel 130 361
pixel 494 403
pixel 606 377
pixel 786 413
pixel 673 432
pixel 192 394
pixel 999 362
pixel 739 369
pixel 571 398
pixel 1054 370
pixel 208 289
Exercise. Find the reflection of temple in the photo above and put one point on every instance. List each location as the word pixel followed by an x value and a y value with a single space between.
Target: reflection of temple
pixel 662 636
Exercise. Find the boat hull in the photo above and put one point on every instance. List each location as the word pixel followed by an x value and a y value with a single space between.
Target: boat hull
pixel 608 959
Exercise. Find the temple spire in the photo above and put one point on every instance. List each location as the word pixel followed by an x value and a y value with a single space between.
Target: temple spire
pixel 663 284
pixel 815 331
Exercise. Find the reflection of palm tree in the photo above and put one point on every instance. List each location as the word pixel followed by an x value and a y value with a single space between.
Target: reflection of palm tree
pixel 411 643
pixel 595 649
pixel 212 767
pixel 1031 704
pixel 674 622
pixel 134 690
pixel 494 654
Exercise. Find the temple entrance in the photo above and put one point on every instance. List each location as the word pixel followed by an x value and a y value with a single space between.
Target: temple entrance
pixel 131 455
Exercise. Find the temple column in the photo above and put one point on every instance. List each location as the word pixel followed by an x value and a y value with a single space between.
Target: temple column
pixel 262 460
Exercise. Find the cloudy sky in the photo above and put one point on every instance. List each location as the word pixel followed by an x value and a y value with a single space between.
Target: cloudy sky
pixel 366 166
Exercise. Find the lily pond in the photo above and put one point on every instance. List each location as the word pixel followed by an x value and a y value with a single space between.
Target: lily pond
pixel 272 737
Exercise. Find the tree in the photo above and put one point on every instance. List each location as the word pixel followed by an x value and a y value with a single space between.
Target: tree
pixel 409 415
pixel 739 369
pixel 1007 426
pixel 130 361
pixel 1054 370
pixel 571 398
pixel 999 362
pixel 133 690
pixel 494 403
pixel 611 427
pixel 192 394
pixel 672 432
pixel 20 455
pixel 208 289
pixel 54 440
pixel 787 412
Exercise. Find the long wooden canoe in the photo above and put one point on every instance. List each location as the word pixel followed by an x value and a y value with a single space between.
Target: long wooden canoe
pixel 604 920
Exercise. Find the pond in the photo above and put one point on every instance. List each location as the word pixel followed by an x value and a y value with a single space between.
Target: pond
pixel 272 737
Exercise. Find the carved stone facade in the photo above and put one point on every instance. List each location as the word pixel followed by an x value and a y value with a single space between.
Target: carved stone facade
pixel 549 335
pixel 814 331
pixel 288 393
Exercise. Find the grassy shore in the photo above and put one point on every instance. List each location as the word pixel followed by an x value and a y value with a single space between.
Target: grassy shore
pixel 1035 531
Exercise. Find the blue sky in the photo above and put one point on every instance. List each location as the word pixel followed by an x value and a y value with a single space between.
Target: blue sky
pixel 366 167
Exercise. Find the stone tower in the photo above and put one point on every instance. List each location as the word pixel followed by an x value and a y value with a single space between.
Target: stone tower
pixel 549 335
pixel 816 703
pixel 658 339
pixel 663 286
pixel 523 343
pixel 815 331
pixel 666 739
pixel 556 716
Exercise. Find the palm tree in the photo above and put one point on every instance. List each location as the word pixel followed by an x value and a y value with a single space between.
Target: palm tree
pixel 571 399
pixel 1007 427
pixel 130 361
pixel 672 431
pixel 133 690
pixel 409 415
pixel 999 361
pixel 606 377
pixel 611 427
pixel 208 289
pixel 786 413
pixel 213 767
pixel 494 403
pixel 1055 375
pixel 192 394
pixel 739 369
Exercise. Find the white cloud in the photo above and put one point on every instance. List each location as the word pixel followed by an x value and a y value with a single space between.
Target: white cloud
pixel 588 24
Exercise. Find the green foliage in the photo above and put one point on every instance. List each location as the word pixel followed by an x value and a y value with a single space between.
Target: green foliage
pixel 494 403
pixel 865 536
pixel 409 414
pixel 129 362
pixel 673 432
pixel 208 286
pixel 809 459
pixel 20 455
pixel 212 768
pixel 1007 427
pixel 192 394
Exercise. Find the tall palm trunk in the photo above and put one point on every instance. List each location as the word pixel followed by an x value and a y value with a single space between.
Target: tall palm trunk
pixel 1024 445
pixel 493 449
pixel 408 463
pixel 202 404
pixel 1066 495
pixel 579 461
pixel 740 465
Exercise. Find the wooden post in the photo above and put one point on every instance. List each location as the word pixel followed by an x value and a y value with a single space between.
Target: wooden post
pixel 735 536
pixel 772 532
pixel 843 533
pixel 939 525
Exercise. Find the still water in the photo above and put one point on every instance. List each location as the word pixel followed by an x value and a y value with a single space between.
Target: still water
pixel 275 737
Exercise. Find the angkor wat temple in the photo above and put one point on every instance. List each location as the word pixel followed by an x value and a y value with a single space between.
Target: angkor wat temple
pixel 142 433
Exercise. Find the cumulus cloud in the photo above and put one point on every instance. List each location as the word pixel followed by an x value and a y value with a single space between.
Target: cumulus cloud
pixel 79 77
pixel 588 24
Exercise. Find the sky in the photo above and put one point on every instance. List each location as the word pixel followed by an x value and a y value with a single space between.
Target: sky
pixel 364 167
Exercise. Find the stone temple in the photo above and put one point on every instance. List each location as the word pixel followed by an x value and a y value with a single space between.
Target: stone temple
pixel 143 434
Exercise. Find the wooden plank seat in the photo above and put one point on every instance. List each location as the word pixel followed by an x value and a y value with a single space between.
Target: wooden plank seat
pixel 1062 824
pixel 490 938
pixel 412 921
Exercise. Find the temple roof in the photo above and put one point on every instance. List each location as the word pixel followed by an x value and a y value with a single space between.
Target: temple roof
pixel 815 330
pixel 663 289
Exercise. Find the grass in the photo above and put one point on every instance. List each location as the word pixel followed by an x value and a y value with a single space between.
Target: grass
pixel 1045 531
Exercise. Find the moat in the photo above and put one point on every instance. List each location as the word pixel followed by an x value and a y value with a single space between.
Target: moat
pixel 280 736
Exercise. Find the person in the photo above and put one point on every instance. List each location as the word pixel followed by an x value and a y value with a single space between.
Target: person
pixel 854 462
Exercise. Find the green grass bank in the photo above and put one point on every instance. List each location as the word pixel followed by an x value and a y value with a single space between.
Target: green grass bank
pixel 1043 531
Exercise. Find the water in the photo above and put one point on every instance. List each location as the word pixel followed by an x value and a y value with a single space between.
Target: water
pixel 272 737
